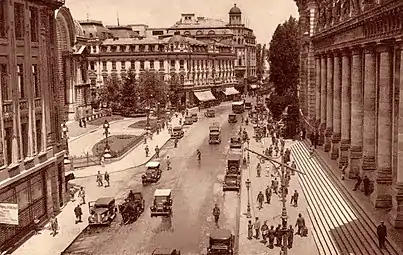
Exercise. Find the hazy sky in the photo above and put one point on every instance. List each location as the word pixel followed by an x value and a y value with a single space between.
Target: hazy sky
pixel 262 16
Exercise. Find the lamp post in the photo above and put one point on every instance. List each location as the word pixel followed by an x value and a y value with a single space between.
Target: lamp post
pixel 248 213
pixel 65 130
pixel 107 151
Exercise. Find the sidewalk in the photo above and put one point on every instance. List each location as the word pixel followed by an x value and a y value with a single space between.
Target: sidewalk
pixel 45 244
pixel 271 213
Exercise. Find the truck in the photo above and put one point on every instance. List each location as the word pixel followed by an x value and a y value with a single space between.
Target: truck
pixel 238 107
pixel 214 134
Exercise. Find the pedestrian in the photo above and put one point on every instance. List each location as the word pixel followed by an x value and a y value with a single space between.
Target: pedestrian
pixel 157 151
pixel 295 198
pixel 250 230
pixel 106 177
pixel 290 237
pixel 358 183
pixel 84 123
pixel 300 224
pixel 168 163
pixel 268 194
pixel 382 234
pixel 260 200
pixel 102 161
pixel 256 225
pixel 78 212
pixel 293 166
pixel 36 225
pixel 81 195
pixel 258 169
pixel 265 231
pixel 72 192
pixel 80 124
pixel 343 172
pixel 99 179
pixel 271 236
pixel 54 226
pixel 366 185
pixel 147 150
pixel 176 143
pixel 274 185
pixel 278 235
pixel 311 152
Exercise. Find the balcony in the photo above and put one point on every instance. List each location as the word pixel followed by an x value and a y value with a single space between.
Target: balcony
pixel 23 105
pixel 38 104
pixel 7 109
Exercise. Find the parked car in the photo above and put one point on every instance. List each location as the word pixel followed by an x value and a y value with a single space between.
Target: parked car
pixel 188 120
pixel 235 143
pixel 209 113
pixel 194 117
pixel 102 211
pixel 232 118
pixel 221 241
pixel 231 182
pixel 248 105
pixel 177 132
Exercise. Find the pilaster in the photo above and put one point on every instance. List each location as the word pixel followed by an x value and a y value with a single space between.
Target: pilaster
pixel 381 197
pixel 336 107
pixel 317 90
pixel 345 107
pixel 323 99
pixel 329 103
pixel 369 163
pixel 356 113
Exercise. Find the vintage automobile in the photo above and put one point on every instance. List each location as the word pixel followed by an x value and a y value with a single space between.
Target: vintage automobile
pixel 177 132
pixel 238 107
pixel 162 205
pixel 234 162
pixel 221 242
pixel 235 143
pixel 153 172
pixel 132 207
pixel 232 118
pixel 231 182
pixel 102 211
pixel 214 134
pixel 188 120
pixel 194 117
pixel 166 251
pixel 248 105
pixel 252 114
pixel 209 113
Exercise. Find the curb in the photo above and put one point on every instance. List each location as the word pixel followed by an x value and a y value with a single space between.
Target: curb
pixel 90 131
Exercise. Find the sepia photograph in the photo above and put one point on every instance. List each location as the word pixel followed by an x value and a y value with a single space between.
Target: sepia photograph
pixel 214 127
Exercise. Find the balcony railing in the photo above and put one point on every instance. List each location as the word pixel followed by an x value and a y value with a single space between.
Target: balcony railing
pixel 38 103
pixel 24 105
pixel 7 107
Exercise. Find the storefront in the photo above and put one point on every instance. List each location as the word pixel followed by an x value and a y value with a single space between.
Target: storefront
pixel 205 98
pixel 30 195
pixel 231 94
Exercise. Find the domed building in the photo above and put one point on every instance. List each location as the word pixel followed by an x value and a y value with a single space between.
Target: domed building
pixel 72 59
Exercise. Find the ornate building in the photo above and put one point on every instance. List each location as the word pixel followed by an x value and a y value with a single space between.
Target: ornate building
pixel 31 147
pixel 72 54
pixel 351 84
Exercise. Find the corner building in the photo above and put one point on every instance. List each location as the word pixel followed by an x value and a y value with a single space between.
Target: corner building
pixel 351 84
pixel 31 149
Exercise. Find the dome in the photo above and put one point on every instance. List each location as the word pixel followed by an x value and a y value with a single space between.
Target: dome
pixel 235 10
pixel 177 39
pixel 78 28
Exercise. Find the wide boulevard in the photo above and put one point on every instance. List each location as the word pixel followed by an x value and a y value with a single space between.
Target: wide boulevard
pixel 196 187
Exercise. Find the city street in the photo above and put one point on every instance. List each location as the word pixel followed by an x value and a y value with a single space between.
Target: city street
pixel 196 187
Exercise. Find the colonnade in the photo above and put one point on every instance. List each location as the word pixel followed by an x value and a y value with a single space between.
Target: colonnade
pixel 360 118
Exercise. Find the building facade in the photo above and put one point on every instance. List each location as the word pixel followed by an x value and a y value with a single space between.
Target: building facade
pixel 351 85
pixel 199 65
pixel 72 72
pixel 31 148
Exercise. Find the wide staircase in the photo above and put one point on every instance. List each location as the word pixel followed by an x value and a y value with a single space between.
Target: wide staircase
pixel 341 225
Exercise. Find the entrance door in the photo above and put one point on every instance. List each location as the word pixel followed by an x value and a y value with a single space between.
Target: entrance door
pixel 60 182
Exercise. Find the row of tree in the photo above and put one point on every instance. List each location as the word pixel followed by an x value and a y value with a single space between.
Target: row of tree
pixel 131 92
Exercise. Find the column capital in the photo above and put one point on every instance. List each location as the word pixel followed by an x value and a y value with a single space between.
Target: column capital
pixel 385 46
pixel 369 48
pixel 356 50
pixel 345 51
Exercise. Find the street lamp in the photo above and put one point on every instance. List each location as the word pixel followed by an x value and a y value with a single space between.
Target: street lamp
pixel 107 151
pixel 65 130
pixel 248 212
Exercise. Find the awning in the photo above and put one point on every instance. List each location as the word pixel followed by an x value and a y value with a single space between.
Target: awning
pixel 230 91
pixel 204 95
pixel 253 86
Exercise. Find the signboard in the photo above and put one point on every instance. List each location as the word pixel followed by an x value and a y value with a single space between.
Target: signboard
pixel 9 213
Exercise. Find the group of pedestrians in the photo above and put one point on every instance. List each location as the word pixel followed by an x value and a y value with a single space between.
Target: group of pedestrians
pixel 101 178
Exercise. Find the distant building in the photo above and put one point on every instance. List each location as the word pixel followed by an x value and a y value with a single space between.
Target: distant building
pixel 31 145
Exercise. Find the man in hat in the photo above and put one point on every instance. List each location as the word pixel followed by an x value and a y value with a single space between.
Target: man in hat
pixel 382 234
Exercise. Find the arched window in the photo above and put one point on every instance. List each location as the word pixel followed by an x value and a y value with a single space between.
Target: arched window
pixel 186 33
pixel 211 32
pixel 177 33
pixel 199 32
pixel 239 41
pixel 91 35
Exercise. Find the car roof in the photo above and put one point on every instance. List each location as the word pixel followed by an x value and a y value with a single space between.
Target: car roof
pixel 232 114
pixel 177 127
pixel 237 103
pixel 234 156
pixel 153 164
pixel 104 200
pixel 220 234
pixel 194 114
pixel 162 192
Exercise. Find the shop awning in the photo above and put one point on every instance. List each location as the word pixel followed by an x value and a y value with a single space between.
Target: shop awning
pixel 230 91
pixel 204 95
pixel 253 86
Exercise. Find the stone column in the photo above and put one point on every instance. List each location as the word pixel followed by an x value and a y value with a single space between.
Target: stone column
pixel 317 98
pixel 356 114
pixel 345 107
pixel 396 214
pixel 336 107
pixel 329 103
pixel 381 197
pixel 368 160
pixel 322 99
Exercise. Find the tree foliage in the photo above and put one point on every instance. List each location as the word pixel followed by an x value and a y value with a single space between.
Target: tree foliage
pixel 109 94
pixel 284 57
pixel 152 87
pixel 175 89
pixel 260 58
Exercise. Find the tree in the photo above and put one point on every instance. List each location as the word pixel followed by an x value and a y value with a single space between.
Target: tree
pixel 175 89
pixel 151 88
pixel 129 94
pixel 258 60
pixel 109 94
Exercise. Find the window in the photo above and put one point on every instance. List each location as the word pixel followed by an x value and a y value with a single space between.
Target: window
pixel 3 19
pixel 132 65
pixel 113 65
pixel 104 66
pixel 92 65
pixel 158 32
pixel 123 65
pixel 9 144
pixel 141 64
pixel 24 135
pixel 37 187
pixel 152 64
pixel 19 21
pixel 38 135
pixel 22 191
pixel 172 63
pixel 5 89
pixel 33 20
pixel 177 33
pixel 20 81
pixel 181 64
pixel 37 90
pixel 161 64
